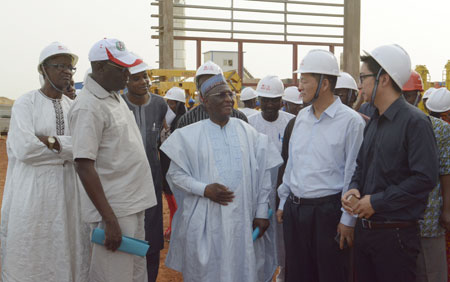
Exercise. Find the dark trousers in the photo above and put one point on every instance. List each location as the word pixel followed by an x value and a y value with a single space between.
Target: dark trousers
pixel 152 266
pixel 312 254
pixel 386 255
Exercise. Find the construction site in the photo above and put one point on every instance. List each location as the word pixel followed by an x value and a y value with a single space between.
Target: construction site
pixel 334 27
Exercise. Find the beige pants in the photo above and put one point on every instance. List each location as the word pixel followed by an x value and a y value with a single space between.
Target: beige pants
pixel 432 260
pixel 107 266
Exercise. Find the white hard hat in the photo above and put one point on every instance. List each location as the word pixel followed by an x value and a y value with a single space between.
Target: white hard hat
pixel 176 94
pixel 427 93
pixel 270 87
pixel 247 94
pixel 53 49
pixel 319 61
pixel 208 68
pixel 291 94
pixel 439 100
pixel 346 81
pixel 394 60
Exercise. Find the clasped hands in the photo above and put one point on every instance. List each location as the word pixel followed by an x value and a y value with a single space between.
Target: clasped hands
pixel 361 207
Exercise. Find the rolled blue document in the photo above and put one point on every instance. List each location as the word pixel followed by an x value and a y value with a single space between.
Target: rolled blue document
pixel 256 231
pixel 129 245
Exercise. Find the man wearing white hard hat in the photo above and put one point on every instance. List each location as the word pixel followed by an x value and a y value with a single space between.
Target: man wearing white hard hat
pixel 322 152
pixel 42 234
pixel 271 121
pixel 149 110
pixel 111 162
pixel 432 259
pixel 221 177
pixel 248 97
pixel 439 104
pixel 347 90
pixel 425 97
pixel 204 72
pixel 397 167
pixel 292 100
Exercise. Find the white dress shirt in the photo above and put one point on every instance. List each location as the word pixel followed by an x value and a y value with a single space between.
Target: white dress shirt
pixel 322 154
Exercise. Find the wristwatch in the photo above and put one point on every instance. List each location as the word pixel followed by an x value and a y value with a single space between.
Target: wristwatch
pixel 51 142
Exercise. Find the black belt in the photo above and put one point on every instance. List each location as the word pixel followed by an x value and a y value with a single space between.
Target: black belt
pixel 368 224
pixel 315 201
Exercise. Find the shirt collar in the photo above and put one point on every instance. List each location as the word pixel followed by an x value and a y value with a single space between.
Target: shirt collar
pixel 394 108
pixel 97 90
pixel 332 109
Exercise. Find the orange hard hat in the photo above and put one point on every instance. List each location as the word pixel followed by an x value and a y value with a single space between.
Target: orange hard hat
pixel 414 83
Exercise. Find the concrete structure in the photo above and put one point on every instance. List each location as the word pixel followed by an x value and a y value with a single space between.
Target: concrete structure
pixel 179 50
pixel 352 31
pixel 227 60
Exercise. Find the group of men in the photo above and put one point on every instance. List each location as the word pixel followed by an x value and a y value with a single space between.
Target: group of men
pixel 323 193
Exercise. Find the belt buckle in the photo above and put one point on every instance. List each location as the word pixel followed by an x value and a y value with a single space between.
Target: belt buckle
pixel 295 200
pixel 366 223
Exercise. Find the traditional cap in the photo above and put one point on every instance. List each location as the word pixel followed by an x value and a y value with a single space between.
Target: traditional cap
pixel 216 83
pixel 115 51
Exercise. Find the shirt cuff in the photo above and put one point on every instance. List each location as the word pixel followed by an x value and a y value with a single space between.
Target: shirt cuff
pixel 198 188
pixel 348 219
pixel 281 205
pixel 377 202
pixel 262 211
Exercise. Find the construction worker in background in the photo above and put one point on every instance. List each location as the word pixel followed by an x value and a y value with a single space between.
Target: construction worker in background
pixel 292 100
pixel 347 90
pixel 271 121
pixel 176 99
pixel 248 97
pixel 432 260
pixel 425 97
pixel 412 89
pixel 70 90
pixel 149 111
pixel 439 106
pixel 322 153
pixel 42 235
pixel 397 167
pixel 111 162
pixel 204 72
pixel 220 174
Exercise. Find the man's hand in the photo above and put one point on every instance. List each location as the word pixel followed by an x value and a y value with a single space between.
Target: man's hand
pixel 113 235
pixel 346 204
pixel 262 223
pixel 346 234
pixel 444 220
pixel 219 194
pixel 280 216
pixel 364 208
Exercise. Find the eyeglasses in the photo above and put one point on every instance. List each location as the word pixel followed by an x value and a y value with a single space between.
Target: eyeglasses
pixel 362 76
pixel 63 67
pixel 119 67
pixel 223 94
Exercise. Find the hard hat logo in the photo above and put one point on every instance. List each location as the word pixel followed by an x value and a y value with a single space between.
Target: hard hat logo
pixel 120 46
pixel 61 48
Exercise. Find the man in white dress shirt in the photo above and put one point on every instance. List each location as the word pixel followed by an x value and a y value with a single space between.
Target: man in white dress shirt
pixel 322 153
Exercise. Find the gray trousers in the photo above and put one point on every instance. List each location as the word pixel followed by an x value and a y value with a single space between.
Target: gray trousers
pixel 432 260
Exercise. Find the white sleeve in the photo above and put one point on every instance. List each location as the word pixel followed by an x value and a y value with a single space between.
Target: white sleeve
pixel 183 181
pixel 22 141
pixel 353 142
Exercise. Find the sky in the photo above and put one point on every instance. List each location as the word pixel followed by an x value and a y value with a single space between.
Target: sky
pixel 27 26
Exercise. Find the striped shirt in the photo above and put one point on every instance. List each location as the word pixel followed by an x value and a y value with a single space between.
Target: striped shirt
pixel 199 113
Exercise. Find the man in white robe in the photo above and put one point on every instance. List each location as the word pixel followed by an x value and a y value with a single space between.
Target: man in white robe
pixel 42 237
pixel 221 178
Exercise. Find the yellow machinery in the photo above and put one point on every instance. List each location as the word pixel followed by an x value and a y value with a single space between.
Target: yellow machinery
pixel 164 79
pixel 446 77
